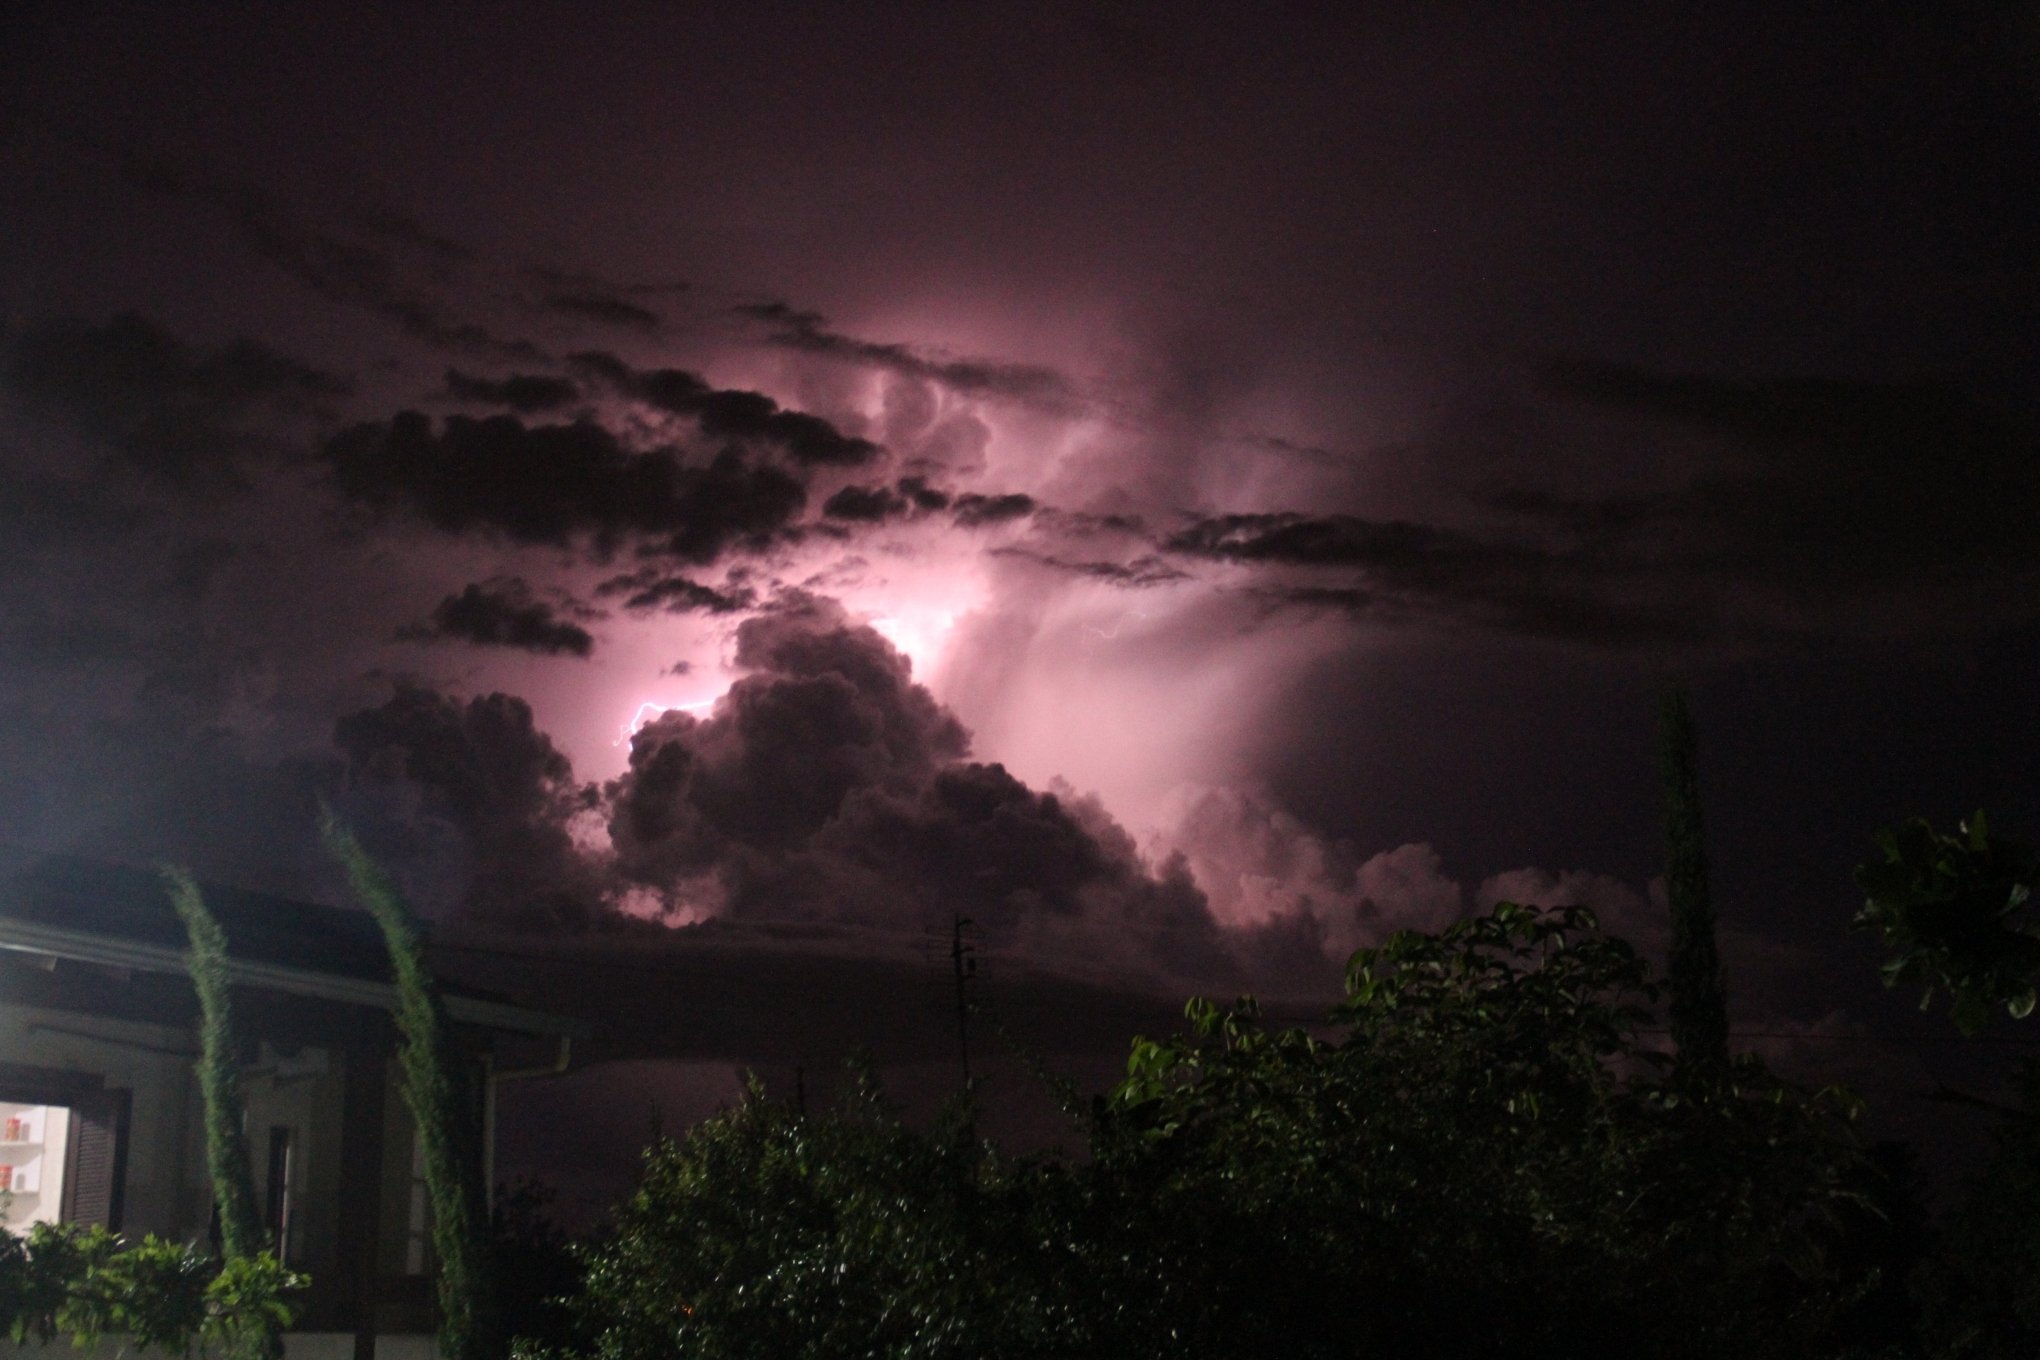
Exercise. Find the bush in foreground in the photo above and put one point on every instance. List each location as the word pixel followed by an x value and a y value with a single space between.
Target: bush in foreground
pixel 1482 1158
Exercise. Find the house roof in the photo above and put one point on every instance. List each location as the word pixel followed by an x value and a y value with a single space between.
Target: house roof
pixel 67 906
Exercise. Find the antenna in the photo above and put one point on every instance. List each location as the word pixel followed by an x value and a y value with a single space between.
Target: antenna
pixel 964 950
pixel 963 964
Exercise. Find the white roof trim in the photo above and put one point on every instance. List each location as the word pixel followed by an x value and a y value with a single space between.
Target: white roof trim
pixel 32 937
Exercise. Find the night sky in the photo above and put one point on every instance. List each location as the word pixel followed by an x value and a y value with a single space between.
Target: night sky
pixel 1192 489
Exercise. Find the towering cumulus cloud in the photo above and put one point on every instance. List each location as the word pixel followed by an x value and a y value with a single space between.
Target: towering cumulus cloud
pixel 474 792
pixel 827 785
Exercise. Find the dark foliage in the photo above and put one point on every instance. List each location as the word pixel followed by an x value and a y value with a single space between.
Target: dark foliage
pixel 86 1283
pixel 232 1173
pixel 536 1269
pixel 434 1087
pixel 1980 1294
pixel 1699 1007
pixel 1956 913
pixel 1482 1160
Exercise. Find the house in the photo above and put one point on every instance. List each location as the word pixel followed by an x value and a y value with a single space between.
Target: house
pixel 101 1119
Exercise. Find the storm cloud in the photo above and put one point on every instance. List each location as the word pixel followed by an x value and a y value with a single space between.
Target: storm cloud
pixel 649 588
pixel 347 261
pixel 524 393
pixel 809 333
pixel 733 414
pixel 561 484
pixel 506 613
pixel 471 804
pixel 827 785
pixel 175 410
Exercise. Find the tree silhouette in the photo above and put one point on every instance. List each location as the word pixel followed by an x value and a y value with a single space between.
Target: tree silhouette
pixel 1698 1006
pixel 436 1092
pixel 226 1144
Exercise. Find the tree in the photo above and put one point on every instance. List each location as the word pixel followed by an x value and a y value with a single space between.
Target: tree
pixel 1475 1155
pixel 226 1145
pixel 1484 1158
pixel 85 1283
pixel 434 1086
pixel 769 1233
pixel 1955 913
pixel 1698 1006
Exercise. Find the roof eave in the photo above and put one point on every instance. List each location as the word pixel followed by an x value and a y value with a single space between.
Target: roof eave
pixel 31 937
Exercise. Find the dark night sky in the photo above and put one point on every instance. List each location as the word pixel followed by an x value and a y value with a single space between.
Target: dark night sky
pixel 1193 488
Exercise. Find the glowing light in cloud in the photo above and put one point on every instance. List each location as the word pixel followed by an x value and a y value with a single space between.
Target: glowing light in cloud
pixel 651 708
pixel 921 634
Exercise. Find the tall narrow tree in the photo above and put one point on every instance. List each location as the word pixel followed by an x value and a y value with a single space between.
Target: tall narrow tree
pixel 435 1087
pixel 219 1083
pixel 1699 1009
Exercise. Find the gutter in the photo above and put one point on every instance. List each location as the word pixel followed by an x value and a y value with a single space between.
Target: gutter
pixel 34 938
pixel 563 1054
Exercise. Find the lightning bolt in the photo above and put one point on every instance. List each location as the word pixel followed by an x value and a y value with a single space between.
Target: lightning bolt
pixel 1117 624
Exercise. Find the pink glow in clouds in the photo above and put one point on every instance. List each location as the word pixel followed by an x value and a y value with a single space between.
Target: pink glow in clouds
pixel 1131 694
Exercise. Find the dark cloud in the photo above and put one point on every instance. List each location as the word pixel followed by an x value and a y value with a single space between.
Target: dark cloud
pixel 173 409
pixel 827 785
pixel 910 496
pixel 807 332
pixel 608 311
pixel 505 613
pixel 829 707
pixel 1401 572
pixel 1864 474
pixel 1140 572
pixel 652 588
pixel 727 413
pixel 525 393
pixel 868 504
pixel 173 775
pixel 1866 424
pixel 972 510
pixel 1084 524
pixel 559 484
pixel 924 496
pixel 580 282
pixel 321 257
pixel 1769 509
pixel 1309 453
pixel 1332 540
pixel 406 230
pixel 471 803
pixel 1856 506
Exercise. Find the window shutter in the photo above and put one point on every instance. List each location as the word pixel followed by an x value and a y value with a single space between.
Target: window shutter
pixel 97 1175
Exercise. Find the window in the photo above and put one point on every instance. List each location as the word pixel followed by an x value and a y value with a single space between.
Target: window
pixel 63 1147
pixel 280 1191
pixel 35 1142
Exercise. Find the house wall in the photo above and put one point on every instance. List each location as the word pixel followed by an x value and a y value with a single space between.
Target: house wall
pixel 302 1090
pixel 120 1046
pixel 155 1063
pixel 167 1189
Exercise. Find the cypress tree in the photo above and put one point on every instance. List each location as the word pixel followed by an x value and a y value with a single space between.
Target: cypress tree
pixel 435 1088
pixel 219 1083
pixel 1699 1009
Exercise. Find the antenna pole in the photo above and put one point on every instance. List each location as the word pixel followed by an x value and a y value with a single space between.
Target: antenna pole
pixel 963 964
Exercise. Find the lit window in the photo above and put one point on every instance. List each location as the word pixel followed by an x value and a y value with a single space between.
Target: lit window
pixel 34 1143
pixel 281 1191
